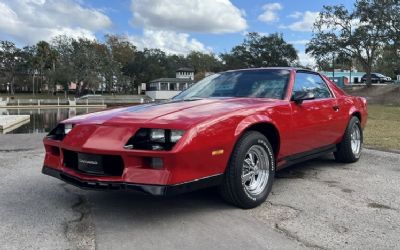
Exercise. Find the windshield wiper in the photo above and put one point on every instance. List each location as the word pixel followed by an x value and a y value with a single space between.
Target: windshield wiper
pixel 186 99
pixel 192 99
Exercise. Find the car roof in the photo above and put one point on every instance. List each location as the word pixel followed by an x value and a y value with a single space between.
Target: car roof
pixel 275 68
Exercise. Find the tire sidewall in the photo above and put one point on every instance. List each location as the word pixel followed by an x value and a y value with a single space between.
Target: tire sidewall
pixel 254 138
pixel 356 121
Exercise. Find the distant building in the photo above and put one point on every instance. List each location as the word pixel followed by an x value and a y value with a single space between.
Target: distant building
pixel 184 73
pixel 397 74
pixel 350 76
pixel 166 88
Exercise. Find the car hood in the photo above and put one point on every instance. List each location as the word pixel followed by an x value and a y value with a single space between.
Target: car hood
pixel 184 113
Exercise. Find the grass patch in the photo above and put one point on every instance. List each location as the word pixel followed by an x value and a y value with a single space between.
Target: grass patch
pixel 383 127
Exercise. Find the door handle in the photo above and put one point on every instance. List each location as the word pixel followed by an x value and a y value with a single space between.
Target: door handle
pixel 336 108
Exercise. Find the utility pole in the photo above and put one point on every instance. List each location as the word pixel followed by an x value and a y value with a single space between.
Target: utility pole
pixel 351 61
pixel 351 66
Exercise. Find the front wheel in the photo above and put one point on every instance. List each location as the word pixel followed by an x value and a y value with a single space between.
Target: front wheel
pixel 349 149
pixel 250 173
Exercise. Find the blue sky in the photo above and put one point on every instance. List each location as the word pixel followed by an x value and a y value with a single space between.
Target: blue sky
pixel 176 26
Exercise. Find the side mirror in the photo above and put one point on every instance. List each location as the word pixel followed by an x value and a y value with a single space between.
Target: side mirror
pixel 299 96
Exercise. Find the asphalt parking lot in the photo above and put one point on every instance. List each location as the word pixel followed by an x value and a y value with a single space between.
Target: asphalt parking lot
pixel 317 205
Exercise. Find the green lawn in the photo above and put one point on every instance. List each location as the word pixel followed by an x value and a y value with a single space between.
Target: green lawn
pixel 383 127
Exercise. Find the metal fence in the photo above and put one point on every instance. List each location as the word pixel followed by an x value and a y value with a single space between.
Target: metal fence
pixel 73 102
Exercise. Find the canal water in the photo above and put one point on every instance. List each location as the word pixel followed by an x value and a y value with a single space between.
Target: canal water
pixel 44 120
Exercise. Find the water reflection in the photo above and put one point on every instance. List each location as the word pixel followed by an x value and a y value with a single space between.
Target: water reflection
pixel 43 120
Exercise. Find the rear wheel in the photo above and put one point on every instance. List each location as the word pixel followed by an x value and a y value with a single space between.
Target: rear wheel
pixel 250 173
pixel 349 149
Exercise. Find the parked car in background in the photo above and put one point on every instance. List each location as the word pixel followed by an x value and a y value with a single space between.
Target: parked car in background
pixel 232 130
pixel 376 78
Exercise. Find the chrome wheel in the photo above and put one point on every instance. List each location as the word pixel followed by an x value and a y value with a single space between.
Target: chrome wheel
pixel 355 139
pixel 255 172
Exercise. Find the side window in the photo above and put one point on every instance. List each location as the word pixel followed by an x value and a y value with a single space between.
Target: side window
pixel 311 82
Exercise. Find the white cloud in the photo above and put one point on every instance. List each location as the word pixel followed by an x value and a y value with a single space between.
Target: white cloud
pixel 305 22
pixel 306 60
pixel 270 12
pixel 296 15
pixel 69 32
pixel 168 41
pixel 209 16
pixel 299 42
pixel 167 23
pixel 29 21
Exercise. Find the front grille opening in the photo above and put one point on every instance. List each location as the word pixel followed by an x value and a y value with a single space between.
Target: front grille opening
pixel 112 165
pixel 70 159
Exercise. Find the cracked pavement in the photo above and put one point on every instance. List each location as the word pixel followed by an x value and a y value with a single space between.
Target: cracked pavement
pixel 319 204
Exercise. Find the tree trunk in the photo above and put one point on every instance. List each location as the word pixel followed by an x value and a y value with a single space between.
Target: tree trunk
pixel 110 85
pixel 33 83
pixel 369 80
pixel 12 85
pixel 53 78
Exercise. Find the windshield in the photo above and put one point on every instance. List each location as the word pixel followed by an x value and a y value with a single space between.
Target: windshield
pixel 264 83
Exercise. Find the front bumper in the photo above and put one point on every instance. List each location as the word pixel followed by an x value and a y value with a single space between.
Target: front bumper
pixel 185 163
pixel 157 190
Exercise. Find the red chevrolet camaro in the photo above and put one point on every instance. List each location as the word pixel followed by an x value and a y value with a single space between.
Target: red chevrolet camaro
pixel 232 129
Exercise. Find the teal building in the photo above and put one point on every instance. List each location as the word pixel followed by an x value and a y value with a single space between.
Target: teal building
pixel 349 77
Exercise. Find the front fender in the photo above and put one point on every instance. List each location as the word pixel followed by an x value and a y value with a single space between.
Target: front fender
pixel 250 121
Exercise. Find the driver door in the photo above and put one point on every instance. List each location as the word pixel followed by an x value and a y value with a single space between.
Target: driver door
pixel 313 121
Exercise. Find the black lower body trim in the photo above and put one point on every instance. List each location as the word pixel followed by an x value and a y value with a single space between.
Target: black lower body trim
pixel 297 158
pixel 157 190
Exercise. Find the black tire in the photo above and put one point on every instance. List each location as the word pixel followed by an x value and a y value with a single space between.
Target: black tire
pixel 232 189
pixel 344 151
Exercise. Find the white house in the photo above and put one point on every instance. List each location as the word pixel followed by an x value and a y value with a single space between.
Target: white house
pixel 184 73
pixel 166 88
